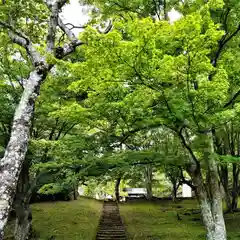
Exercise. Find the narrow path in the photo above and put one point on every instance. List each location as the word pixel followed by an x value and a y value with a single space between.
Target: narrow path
pixel 110 224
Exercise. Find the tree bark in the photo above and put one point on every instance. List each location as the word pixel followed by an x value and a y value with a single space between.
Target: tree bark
pixel 23 226
pixel 117 184
pixel 174 191
pixel 211 209
pixel 148 181
pixel 223 174
pixel 234 203
pixel 216 202
pixel 165 10
pixel 23 223
pixel 75 195
pixel 11 163
pixel 15 152
pixel 209 195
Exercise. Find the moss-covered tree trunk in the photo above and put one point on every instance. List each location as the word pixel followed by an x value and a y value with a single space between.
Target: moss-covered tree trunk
pixel 148 181
pixel 13 159
pixel 23 222
pixel 117 191
pixel 209 194
pixel 235 186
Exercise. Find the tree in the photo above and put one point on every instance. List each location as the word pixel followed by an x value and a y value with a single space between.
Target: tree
pixel 145 75
pixel 172 74
pixel 22 35
pixel 173 173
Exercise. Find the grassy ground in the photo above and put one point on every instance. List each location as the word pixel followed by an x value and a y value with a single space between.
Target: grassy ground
pixel 159 221
pixel 78 220
pixel 73 220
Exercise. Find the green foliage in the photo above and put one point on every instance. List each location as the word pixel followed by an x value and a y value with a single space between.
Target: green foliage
pixel 160 62
pixel 122 100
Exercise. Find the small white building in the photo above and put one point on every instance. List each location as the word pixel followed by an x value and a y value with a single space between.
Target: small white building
pixel 135 192
pixel 186 191
pixel 81 191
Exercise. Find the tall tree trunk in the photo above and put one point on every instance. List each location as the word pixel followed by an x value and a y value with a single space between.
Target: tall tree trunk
pixel 209 194
pixel 174 191
pixel 148 181
pixel 11 163
pixel 165 10
pixel 117 184
pixel 211 207
pixel 223 175
pixel 75 195
pixel 234 203
pixel 231 196
pixel 75 190
pixel 23 224
pixel 216 202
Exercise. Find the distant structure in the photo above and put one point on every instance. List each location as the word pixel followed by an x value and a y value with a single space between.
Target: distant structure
pixel 135 193
pixel 81 191
pixel 103 196
pixel 186 191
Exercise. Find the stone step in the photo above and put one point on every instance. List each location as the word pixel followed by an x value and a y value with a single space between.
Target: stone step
pixel 113 228
pixel 111 232
pixel 110 224
pixel 110 237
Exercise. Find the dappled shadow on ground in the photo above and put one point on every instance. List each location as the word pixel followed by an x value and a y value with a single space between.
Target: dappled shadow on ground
pixel 165 220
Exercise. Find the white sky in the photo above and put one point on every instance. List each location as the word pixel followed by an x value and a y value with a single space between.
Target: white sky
pixel 174 15
pixel 78 15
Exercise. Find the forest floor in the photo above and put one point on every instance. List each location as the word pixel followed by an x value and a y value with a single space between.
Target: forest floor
pixel 160 221
pixel 73 220
pixel 78 220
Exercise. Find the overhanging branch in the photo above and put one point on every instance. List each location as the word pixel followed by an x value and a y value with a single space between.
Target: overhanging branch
pixel 232 100
pixel 74 26
pixel 70 47
pixel 22 40
pixel 107 29
pixel 16 36
pixel 53 22
pixel 71 36
pixel 222 44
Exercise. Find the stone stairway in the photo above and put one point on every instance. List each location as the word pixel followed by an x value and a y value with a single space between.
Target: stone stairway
pixel 110 224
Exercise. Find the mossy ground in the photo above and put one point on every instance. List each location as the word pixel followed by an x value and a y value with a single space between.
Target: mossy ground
pixel 73 220
pixel 159 221
pixel 78 220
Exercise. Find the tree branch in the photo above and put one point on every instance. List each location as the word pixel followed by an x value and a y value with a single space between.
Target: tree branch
pixel 69 48
pixel 53 22
pixel 180 134
pixel 232 100
pixel 23 41
pixel 73 26
pixel 222 43
pixel 107 29
pixel 16 36
pixel 71 36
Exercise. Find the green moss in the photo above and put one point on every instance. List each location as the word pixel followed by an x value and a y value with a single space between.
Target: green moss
pixel 73 220
pixel 160 221
pixel 78 220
